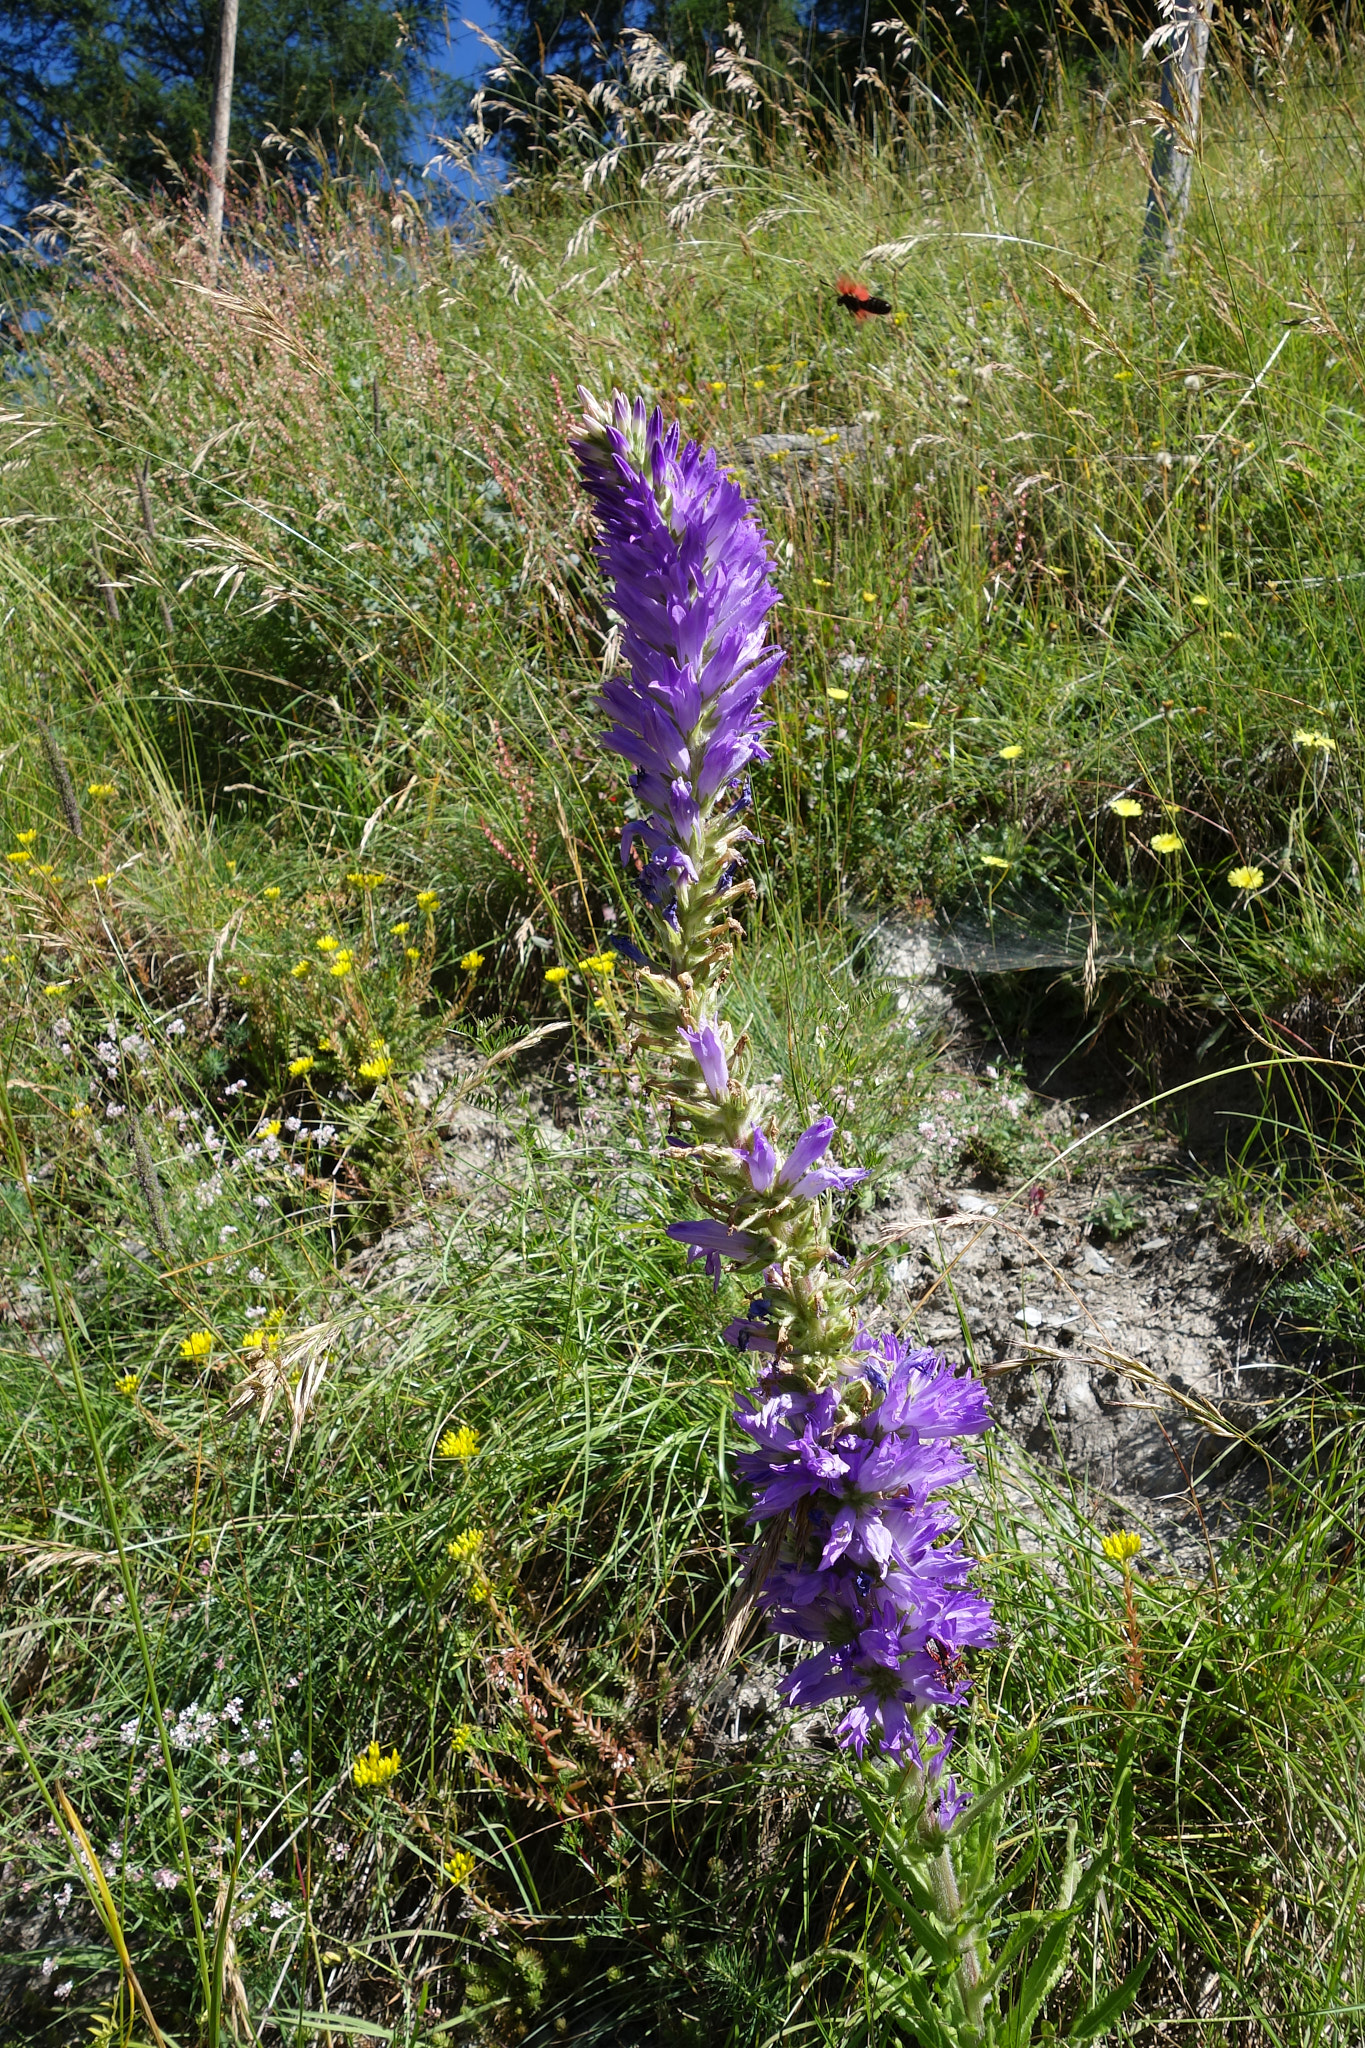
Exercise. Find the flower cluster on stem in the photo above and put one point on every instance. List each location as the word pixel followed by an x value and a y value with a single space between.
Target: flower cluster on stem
pixel 851 1435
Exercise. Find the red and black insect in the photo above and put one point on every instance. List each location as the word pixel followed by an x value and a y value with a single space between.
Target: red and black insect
pixel 947 1662
pixel 856 299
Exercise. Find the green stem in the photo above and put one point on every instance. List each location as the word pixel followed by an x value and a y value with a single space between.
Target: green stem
pixel 948 1906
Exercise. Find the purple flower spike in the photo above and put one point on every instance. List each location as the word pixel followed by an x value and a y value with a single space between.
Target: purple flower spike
pixel 690 571
pixel 709 1054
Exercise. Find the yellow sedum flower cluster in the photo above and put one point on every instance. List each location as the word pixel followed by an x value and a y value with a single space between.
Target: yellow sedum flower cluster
pixel 462 1549
pixel 1121 1545
pixel 373 1769
pixel 198 1344
pixel 460 1867
pixel 461 1443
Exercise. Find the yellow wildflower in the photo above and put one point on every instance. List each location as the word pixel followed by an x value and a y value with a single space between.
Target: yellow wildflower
pixel 458 1443
pixel 270 1130
pixel 837 696
pixel 261 1339
pixel 365 878
pixel 716 384
pixel 472 962
pixel 22 855
pixel 327 944
pixel 553 974
pixel 271 895
pixel 466 1545
pixel 427 900
pixel 598 963
pixel 1246 878
pixel 481 1590
pixel 377 1069
pixel 1011 752
pixel 1123 376
pixel 373 1769
pixel 301 1066
pixel 1124 807
pixel 54 988
pixel 127 1384
pixel 993 860
pixel 198 1344
pixel 100 881
pixel 399 931
pixel 413 952
pixel 27 838
pixel 341 966
pixel 300 968
pixel 1306 736
pixel 869 597
pixel 1121 1545
pixel 1202 602
pixel 460 1867
pixel 462 1737
pixel 1167 842
pixel 821 584
pixel 100 789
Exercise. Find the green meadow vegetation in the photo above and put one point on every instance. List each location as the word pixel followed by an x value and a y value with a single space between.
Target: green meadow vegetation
pixel 368 1508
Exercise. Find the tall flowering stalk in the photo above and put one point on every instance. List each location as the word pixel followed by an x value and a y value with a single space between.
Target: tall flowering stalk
pixel 851 1434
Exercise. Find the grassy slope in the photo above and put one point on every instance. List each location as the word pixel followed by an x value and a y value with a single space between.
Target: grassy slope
pixel 364 528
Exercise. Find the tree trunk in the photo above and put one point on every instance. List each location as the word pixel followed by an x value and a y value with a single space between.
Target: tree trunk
pixel 222 121
pixel 1177 139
